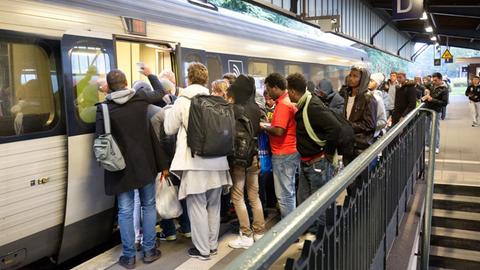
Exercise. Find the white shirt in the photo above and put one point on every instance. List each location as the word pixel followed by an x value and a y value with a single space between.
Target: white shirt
pixel 350 102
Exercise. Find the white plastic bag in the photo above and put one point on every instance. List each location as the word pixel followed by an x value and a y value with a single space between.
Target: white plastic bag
pixel 168 205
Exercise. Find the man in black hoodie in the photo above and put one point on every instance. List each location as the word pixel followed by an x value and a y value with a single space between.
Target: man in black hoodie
pixel 360 108
pixel 436 100
pixel 405 98
pixel 242 93
pixel 317 135
pixel 473 94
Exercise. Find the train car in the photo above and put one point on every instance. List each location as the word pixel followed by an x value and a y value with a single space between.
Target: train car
pixel 53 56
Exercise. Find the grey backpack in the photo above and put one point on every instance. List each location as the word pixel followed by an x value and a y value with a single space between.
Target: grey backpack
pixel 106 149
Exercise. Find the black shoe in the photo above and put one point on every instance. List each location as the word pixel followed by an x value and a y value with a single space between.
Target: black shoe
pixel 213 252
pixel 127 262
pixel 194 253
pixel 151 255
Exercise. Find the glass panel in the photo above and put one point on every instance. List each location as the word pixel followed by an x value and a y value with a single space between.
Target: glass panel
pixel 90 65
pixel 259 71
pixel 190 58
pixel 28 89
pixel 290 69
pixel 215 71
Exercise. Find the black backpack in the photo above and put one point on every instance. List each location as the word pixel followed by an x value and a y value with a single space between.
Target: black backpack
pixel 245 142
pixel 211 126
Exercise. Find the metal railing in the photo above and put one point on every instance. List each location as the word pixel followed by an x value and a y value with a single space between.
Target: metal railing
pixel 358 233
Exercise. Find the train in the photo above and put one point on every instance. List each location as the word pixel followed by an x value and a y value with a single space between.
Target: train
pixel 54 53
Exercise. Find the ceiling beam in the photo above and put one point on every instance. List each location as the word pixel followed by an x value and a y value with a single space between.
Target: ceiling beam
pixel 471 12
pixel 459 33
pixel 453 43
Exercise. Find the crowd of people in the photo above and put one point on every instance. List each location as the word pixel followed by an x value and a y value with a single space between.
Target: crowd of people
pixel 310 130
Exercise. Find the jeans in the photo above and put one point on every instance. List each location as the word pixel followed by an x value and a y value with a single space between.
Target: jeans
pixel 245 180
pixel 313 177
pixel 284 169
pixel 169 227
pixel 437 136
pixel 125 219
pixel 137 217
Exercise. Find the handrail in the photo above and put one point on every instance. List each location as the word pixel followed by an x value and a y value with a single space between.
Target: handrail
pixel 427 218
pixel 265 252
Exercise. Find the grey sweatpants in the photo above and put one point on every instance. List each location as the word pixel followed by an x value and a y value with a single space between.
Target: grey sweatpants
pixel 204 213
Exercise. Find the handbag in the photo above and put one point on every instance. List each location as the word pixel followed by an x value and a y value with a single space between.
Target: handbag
pixel 105 147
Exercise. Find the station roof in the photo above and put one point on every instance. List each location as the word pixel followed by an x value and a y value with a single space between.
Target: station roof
pixel 454 22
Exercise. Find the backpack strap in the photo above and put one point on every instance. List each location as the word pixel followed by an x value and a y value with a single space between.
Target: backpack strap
pixel 308 126
pixel 106 118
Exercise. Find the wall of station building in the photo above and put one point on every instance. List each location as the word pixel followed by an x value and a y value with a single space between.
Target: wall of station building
pixel 357 20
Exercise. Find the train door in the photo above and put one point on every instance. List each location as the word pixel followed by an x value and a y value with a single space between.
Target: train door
pixel 130 54
pixel 33 150
pixel 89 212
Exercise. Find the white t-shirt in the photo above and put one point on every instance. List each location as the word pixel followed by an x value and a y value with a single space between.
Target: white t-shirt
pixel 350 102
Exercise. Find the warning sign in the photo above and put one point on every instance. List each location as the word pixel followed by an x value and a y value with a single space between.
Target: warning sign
pixel 447 55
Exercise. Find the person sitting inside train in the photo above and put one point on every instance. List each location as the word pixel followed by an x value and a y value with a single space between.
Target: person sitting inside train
pixel 133 137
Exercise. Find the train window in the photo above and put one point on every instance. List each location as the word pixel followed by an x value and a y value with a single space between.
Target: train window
pixel 190 58
pixel 317 73
pixel 290 69
pixel 259 71
pixel 90 64
pixel 214 69
pixel 28 89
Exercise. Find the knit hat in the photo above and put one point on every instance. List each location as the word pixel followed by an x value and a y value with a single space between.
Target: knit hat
pixel 242 89
pixel 378 78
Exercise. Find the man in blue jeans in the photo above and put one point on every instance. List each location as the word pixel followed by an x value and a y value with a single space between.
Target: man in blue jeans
pixel 283 142
pixel 317 136
pixel 126 106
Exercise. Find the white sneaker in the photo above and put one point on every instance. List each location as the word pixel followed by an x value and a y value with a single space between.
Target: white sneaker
pixel 257 237
pixel 241 241
pixel 437 150
pixel 308 236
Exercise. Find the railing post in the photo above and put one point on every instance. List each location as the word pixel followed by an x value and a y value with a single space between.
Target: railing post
pixel 427 219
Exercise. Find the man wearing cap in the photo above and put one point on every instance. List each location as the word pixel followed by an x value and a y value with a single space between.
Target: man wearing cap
pixel 473 94
pixel 376 80
pixel 405 98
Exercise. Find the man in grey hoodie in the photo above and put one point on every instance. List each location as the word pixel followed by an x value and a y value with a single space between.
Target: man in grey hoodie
pixel 330 97
pixel 126 107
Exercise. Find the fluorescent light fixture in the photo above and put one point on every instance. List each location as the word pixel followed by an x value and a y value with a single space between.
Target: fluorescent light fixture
pixel 424 16
pixel 429 29
pixel 434 38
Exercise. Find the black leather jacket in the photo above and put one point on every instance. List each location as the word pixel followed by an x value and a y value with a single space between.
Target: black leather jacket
pixel 439 98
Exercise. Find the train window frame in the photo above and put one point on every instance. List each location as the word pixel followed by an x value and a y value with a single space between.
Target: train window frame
pixel 287 64
pixel 51 49
pixel 195 54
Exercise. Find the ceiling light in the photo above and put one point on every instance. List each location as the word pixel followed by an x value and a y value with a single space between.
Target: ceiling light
pixel 429 29
pixel 424 16
pixel 434 38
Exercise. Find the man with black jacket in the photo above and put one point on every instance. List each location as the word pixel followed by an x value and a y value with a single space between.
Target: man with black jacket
pixel 360 108
pixel 316 150
pixel 435 100
pixel 405 98
pixel 473 94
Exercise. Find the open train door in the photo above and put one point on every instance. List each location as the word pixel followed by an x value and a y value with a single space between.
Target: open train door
pixel 89 213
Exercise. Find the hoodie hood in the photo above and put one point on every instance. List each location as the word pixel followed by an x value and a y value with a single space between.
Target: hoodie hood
pixel 142 86
pixel 364 80
pixel 121 96
pixel 243 89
